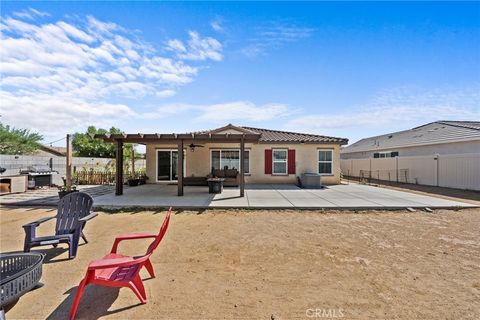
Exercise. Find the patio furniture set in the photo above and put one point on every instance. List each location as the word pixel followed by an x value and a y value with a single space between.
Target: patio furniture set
pixel 216 180
pixel 21 272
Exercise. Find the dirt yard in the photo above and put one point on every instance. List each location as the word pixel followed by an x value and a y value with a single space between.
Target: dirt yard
pixel 270 264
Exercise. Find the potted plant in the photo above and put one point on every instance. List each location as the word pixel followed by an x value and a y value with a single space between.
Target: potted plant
pixel 133 181
pixel 143 178
pixel 64 190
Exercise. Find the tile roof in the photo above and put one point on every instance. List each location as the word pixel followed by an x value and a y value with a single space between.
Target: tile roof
pixel 277 136
pixel 475 125
pixel 430 133
pixel 268 135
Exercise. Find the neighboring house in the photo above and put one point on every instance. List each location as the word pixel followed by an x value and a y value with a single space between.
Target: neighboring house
pixel 271 156
pixel 440 137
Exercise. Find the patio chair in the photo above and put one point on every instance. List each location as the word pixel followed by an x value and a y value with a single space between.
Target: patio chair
pixel 73 212
pixel 116 270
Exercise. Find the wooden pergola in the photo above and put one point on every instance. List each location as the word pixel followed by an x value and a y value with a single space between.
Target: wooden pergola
pixel 180 140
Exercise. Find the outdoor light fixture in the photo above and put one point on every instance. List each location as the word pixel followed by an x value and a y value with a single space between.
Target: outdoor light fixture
pixel 192 146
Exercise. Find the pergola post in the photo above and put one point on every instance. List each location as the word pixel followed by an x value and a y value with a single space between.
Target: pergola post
pixel 68 176
pixel 133 161
pixel 242 167
pixel 180 168
pixel 119 168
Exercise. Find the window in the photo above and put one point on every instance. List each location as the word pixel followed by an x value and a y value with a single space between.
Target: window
pixel 325 161
pixel 230 159
pixel 279 161
pixel 385 154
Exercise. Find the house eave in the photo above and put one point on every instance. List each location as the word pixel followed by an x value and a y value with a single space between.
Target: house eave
pixel 305 142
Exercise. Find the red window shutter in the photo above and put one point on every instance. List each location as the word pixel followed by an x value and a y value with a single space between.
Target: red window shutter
pixel 291 161
pixel 268 161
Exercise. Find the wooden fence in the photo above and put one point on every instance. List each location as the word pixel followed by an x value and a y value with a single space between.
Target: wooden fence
pixel 93 177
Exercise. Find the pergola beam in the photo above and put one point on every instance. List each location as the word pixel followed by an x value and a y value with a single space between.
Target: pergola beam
pixel 173 138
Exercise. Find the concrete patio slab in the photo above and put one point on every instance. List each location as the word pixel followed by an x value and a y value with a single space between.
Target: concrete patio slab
pixel 397 202
pixel 264 194
pixel 355 203
pixel 269 203
pixel 297 194
pixel 351 196
pixel 49 196
pixel 230 203
pixel 311 203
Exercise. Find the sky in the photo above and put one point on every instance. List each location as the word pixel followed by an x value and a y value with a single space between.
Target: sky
pixel 345 69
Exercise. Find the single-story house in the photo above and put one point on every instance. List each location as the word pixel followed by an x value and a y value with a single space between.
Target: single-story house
pixel 439 137
pixel 270 156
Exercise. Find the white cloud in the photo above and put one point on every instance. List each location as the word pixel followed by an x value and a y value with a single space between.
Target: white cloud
pixel 224 112
pixel 59 76
pixel 196 48
pixel 274 35
pixel 51 115
pixel 100 27
pixel 397 109
pixel 242 110
pixel 30 13
pixel 216 25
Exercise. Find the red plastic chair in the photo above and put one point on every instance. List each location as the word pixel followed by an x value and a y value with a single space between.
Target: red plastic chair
pixel 116 270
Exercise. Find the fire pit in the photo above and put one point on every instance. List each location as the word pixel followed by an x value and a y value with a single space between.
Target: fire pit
pixel 20 272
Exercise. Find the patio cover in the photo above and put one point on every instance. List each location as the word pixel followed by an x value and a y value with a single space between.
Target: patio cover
pixel 181 140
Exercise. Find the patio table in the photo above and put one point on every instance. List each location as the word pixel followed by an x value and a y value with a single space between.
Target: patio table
pixel 215 185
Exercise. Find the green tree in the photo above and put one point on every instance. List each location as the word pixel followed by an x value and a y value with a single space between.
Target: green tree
pixel 18 141
pixel 84 145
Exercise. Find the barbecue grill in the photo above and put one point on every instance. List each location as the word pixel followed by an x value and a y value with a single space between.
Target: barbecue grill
pixel 39 176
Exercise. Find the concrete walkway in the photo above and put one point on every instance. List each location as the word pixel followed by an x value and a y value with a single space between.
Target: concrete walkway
pixel 352 196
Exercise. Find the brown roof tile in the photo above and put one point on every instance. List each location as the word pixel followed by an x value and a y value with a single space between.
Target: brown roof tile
pixel 277 136
pixel 268 135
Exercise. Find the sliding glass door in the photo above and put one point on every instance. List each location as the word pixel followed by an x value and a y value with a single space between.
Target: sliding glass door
pixel 167 162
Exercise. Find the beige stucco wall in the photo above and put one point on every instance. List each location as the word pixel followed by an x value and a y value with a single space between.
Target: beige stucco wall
pixel 198 162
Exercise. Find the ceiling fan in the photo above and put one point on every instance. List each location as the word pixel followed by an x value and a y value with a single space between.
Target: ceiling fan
pixel 192 146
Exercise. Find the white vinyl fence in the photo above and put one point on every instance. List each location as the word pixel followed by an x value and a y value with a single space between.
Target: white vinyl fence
pixel 460 171
pixel 14 164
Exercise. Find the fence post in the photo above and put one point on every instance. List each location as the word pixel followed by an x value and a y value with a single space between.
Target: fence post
pixel 351 165
pixel 396 168
pixel 436 158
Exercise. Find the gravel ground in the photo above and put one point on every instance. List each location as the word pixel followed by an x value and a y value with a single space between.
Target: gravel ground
pixel 246 264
